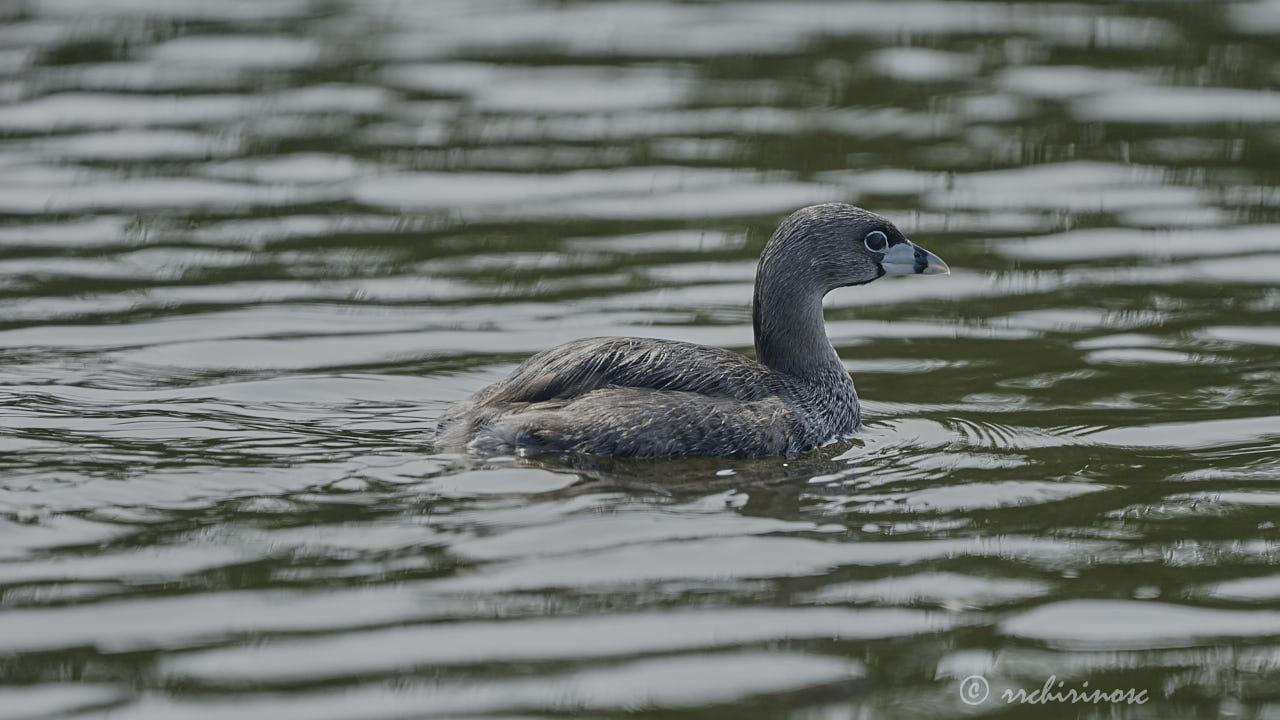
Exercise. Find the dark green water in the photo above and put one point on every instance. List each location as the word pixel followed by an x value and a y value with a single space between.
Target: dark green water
pixel 250 250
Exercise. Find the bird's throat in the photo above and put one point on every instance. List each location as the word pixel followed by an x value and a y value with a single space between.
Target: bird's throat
pixel 790 335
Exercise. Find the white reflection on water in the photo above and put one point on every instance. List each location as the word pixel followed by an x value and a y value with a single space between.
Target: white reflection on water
pixel 687 681
pixel 597 637
pixel 1122 624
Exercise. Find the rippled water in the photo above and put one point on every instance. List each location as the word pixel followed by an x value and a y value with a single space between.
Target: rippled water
pixel 250 250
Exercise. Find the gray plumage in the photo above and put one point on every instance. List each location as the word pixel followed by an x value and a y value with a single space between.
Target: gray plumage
pixel 642 398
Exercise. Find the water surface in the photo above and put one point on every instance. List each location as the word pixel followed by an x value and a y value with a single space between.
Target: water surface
pixel 249 251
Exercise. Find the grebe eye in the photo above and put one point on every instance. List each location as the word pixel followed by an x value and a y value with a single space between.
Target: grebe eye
pixel 876 241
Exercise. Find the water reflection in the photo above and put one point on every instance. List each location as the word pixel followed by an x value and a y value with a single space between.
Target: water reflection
pixel 250 250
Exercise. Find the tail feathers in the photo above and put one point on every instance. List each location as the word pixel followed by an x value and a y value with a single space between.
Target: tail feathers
pixel 524 439
pixel 530 440
pixel 521 433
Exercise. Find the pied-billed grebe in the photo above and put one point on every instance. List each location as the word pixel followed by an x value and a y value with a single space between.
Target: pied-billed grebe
pixel 641 398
